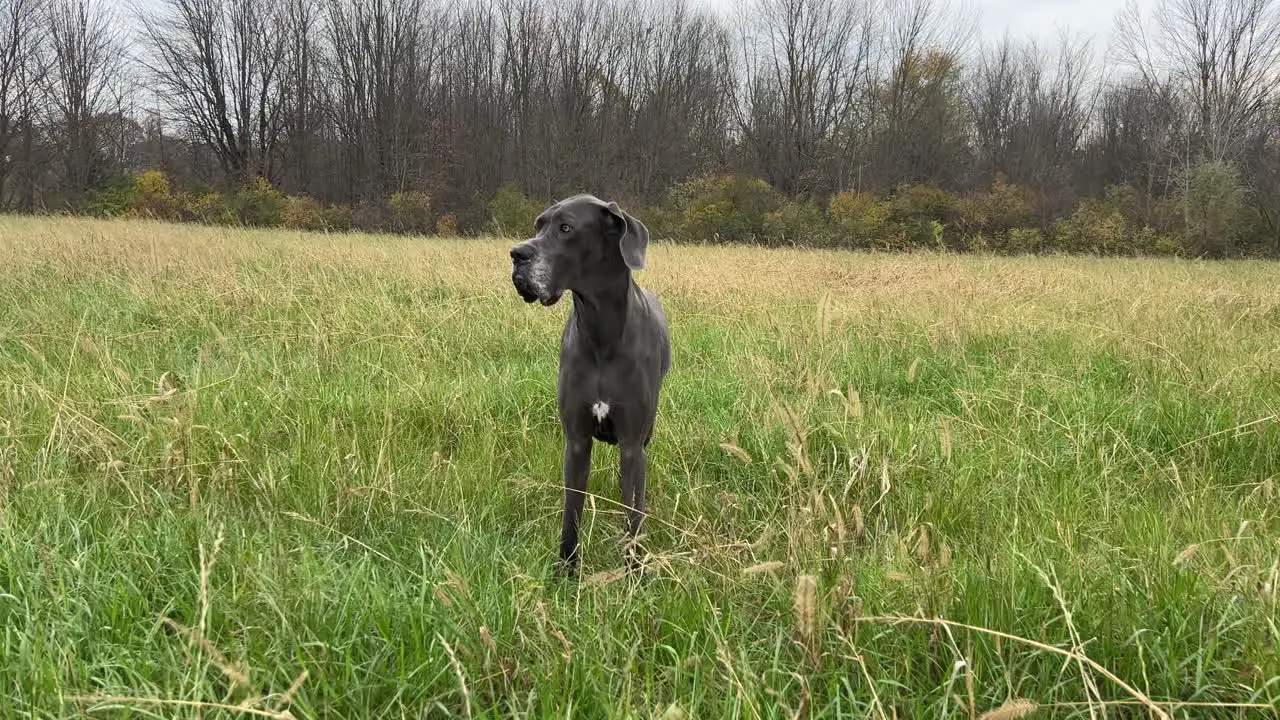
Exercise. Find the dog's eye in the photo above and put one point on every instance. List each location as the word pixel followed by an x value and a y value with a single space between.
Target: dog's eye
pixel 565 228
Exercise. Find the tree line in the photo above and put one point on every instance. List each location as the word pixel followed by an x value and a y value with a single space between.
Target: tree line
pixel 849 123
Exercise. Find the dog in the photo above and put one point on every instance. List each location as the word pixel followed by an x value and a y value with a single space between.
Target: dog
pixel 615 351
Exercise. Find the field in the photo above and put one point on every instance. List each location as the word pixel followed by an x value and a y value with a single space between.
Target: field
pixel 319 475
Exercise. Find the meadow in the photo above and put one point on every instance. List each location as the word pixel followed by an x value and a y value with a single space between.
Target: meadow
pixel 279 474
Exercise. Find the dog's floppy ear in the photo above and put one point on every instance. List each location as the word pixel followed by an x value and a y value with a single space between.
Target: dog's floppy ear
pixel 634 240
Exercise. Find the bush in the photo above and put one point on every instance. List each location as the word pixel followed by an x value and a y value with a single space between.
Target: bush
pixel 1163 215
pixel 1149 241
pixel 371 216
pixel 1213 199
pixel 859 220
pixel 209 208
pixel 998 211
pixel 1127 201
pixel 512 212
pixel 337 218
pixel 726 208
pixel 1104 227
pixel 150 197
pixel 302 213
pixel 410 212
pixel 1019 241
pixel 1095 227
pixel 111 199
pixel 797 223
pixel 447 225
pixel 662 222
pixel 924 214
pixel 258 204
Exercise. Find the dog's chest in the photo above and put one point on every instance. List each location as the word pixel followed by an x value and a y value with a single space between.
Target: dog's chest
pixel 599 392
pixel 600 410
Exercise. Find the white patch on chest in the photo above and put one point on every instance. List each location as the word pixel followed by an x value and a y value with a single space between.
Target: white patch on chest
pixel 600 409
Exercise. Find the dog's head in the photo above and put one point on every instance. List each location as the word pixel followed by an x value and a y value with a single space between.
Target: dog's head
pixel 577 240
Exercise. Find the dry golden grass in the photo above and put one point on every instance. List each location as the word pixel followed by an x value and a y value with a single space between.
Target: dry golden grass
pixel 1135 300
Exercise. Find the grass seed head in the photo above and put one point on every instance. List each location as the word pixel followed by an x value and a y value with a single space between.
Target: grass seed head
pixel 806 601
pixel 1011 710
pixel 736 452
pixel 673 712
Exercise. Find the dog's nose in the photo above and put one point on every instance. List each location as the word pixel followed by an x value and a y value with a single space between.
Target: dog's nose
pixel 521 252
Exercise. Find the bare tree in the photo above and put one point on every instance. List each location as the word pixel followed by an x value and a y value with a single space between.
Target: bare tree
pixel 218 65
pixel 476 122
pixel 85 65
pixel 525 61
pixel 303 102
pixel 997 106
pixel 1135 140
pixel 683 99
pixel 1222 55
pixel 354 100
pixel 920 128
pixel 20 39
pixel 805 64
pixel 383 59
pixel 1031 111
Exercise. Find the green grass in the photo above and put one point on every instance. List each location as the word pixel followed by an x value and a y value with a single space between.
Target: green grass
pixel 231 458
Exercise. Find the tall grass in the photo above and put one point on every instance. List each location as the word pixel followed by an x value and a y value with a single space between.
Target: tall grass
pixel 272 474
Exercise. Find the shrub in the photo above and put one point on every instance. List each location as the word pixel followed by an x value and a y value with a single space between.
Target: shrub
pixel 258 204
pixel 410 212
pixel 1127 201
pixel 797 223
pixel 512 212
pixel 923 214
pixel 1095 227
pixel 662 223
pixel 111 199
pixel 1213 199
pixel 337 218
pixel 302 213
pixel 859 220
pixel 209 208
pixel 1164 215
pixel 150 197
pixel 996 212
pixel 447 225
pixel 727 208
pixel 372 216
pixel 1020 240
pixel 1149 241
pixel 1125 222
pixel 1015 241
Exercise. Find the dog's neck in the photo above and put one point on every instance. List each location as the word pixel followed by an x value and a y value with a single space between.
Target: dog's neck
pixel 600 309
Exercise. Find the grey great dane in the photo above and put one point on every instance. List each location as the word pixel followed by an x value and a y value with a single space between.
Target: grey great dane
pixel 615 351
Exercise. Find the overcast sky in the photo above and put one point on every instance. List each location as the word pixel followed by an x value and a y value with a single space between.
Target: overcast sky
pixel 1041 18
pixel 1023 19
pixel 1038 19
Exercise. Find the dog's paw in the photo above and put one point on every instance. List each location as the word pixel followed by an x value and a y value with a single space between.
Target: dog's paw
pixel 636 565
pixel 566 568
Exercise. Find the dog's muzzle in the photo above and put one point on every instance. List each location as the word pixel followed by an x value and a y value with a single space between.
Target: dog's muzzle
pixel 521 262
pixel 521 282
pixel 530 281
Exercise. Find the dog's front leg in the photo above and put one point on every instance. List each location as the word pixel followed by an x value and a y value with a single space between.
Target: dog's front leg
pixel 633 474
pixel 577 466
